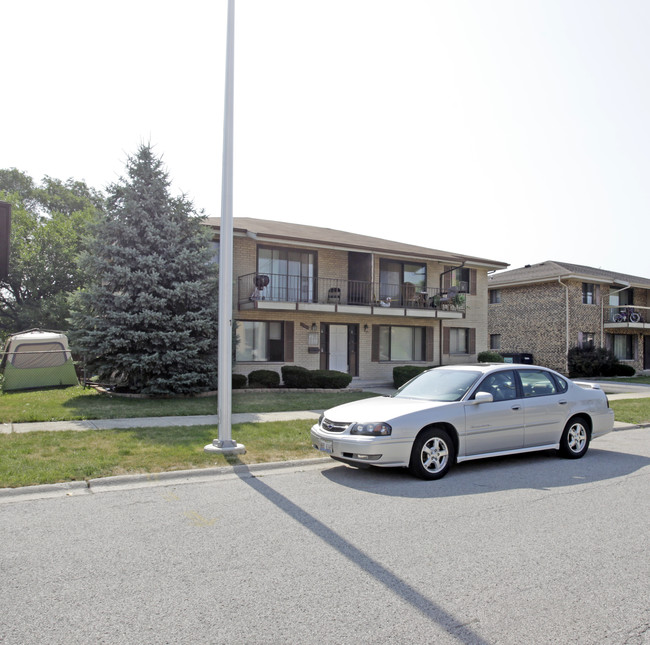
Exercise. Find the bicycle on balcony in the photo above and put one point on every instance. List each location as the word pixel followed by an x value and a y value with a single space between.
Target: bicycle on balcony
pixel 627 314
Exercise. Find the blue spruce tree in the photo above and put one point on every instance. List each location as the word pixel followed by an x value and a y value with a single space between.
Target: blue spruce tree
pixel 147 322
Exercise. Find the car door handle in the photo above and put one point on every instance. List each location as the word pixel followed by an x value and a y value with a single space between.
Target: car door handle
pixel 516 407
pixel 562 402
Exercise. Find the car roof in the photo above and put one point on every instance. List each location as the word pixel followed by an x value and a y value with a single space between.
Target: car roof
pixel 485 368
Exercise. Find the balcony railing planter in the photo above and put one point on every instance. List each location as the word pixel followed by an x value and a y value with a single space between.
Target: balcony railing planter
pixel 280 288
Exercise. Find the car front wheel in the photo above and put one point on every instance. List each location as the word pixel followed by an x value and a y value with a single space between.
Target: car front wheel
pixel 432 454
pixel 575 439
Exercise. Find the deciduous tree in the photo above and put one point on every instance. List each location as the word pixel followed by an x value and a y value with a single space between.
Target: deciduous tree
pixel 49 222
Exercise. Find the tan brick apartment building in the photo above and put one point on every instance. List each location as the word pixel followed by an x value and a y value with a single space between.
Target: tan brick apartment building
pixel 327 299
pixel 546 309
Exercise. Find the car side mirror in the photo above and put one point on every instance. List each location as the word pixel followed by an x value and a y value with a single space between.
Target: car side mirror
pixel 483 397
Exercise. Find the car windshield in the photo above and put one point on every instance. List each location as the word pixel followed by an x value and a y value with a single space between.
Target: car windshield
pixel 439 385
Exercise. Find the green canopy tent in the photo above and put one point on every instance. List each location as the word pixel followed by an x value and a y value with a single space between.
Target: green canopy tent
pixel 37 358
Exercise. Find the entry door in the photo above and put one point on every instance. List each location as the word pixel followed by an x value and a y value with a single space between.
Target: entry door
pixel 338 347
pixel 646 352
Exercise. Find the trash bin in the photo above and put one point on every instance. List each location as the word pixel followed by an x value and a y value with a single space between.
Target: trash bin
pixel 526 359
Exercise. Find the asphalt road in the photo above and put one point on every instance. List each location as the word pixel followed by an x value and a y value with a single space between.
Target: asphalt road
pixel 527 549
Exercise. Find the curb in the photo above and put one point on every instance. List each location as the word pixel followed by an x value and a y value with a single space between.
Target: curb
pixel 149 480
pixel 175 477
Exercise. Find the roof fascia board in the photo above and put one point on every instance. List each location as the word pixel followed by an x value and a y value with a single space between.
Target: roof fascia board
pixel 582 278
pixel 302 242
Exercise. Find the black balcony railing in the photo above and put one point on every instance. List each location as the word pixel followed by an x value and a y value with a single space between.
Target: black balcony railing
pixel 286 288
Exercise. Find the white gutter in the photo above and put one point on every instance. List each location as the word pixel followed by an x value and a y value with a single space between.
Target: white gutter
pixel 566 331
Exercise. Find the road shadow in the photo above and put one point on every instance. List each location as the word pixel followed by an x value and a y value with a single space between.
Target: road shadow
pixel 539 471
pixel 396 585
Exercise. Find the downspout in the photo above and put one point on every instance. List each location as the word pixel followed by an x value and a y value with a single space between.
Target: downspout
pixel 440 319
pixel 566 331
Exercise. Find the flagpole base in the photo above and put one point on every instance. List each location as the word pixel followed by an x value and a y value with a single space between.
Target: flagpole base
pixel 229 447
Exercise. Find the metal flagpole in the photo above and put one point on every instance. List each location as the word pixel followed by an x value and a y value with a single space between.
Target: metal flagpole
pixel 225 443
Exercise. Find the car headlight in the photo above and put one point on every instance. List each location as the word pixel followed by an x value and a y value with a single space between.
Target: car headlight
pixel 371 429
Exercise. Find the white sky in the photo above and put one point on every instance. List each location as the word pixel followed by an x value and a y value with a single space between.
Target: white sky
pixel 514 130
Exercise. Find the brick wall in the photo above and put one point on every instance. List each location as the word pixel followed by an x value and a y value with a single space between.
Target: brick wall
pixel 532 319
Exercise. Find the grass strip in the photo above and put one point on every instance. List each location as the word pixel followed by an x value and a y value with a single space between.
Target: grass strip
pixel 52 457
pixel 635 411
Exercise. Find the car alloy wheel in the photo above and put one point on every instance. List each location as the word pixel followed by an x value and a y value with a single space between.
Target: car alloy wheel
pixel 432 454
pixel 575 439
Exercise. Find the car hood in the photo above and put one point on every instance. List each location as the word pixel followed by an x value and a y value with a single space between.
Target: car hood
pixel 381 408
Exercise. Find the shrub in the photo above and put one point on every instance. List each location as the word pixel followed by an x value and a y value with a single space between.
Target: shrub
pixel 593 361
pixel 404 373
pixel 296 376
pixel 621 369
pixel 264 378
pixel 490 357
pixel 238 381
pixel 330 379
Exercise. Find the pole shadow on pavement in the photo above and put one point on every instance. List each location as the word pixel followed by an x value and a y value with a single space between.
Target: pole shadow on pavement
pixel 381 574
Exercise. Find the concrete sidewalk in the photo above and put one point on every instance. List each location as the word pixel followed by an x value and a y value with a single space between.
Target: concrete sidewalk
pixel 152 422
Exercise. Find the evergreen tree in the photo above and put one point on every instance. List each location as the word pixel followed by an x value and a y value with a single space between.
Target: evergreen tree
pixel 148 319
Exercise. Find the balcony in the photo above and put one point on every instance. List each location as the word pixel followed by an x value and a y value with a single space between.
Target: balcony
pixel 626 317
pixel 279 292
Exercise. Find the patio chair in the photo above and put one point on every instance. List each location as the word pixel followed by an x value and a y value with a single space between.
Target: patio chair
pixel 261 282
pixel 411 298
pixel 449 298
pixel 334 295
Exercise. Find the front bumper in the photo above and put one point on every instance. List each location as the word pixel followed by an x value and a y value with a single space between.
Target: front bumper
pixel 377 451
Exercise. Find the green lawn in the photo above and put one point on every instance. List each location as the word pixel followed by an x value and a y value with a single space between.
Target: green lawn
pixel 636 411
pixel 51 457
pixel 71 403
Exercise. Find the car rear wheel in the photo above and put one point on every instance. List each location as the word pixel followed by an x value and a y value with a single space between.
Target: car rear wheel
pixel 575 439
pixel 432 454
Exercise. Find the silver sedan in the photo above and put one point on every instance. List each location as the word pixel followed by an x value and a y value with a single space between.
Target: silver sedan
pixel 452 414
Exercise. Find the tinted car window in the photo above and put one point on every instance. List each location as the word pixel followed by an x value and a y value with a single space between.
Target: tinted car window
pixel 501 386
pixel 537 383
pixel 562 385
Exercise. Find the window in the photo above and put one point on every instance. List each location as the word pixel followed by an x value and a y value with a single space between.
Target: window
pixel 460 278
pixel 401 343
pixel 459 341
pixel 495 341
pixel 623 347
pixel 214 253
pixel 621 298
pixel 393 274
pixel 30 355
pixel 589 293
pixel 495 296
pixel 292 274
pixel 586 339
pixel 260 341
pixel 562 385
pixel 501 386
pixel 536 383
